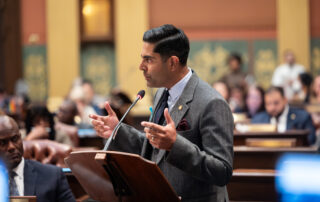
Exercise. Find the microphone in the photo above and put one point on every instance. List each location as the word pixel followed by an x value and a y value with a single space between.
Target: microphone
pixel 140 95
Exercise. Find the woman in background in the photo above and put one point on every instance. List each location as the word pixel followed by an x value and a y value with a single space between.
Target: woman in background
pixel 254 102
pixel 39 123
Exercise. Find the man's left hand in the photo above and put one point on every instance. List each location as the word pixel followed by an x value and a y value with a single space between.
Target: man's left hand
pixel 161 137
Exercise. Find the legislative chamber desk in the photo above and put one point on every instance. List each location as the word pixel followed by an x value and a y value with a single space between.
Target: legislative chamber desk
pixel 263 157
pixel 300 136
pixel 252 185
pixel 254 172
pixel 23 199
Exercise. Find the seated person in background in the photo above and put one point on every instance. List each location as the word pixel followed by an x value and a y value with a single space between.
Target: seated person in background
pixel 237 98
pixel 223 89
pixel 315 97
pixel 90 95
pixel 66 129
pixel 254 102
pixel 286 76
pixel 120 102
pixel 306 81
pixel 77 95
pixel 3 98
pixel 16 107
pixel 279 113
pixel 315 100
pixel 39 123
pixel 27 177
pixel 234 77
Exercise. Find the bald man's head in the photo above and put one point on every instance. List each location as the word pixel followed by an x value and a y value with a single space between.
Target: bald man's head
pixel 10 141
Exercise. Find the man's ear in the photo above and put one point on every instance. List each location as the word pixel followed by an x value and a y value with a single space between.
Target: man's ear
pixel 173 62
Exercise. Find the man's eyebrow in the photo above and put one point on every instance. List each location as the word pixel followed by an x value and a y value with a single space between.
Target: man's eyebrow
pixel 12 134
pixel 146 56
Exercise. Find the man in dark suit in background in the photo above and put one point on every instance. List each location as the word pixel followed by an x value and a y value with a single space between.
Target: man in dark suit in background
pixel 191 133
pixel 279 113
pixel 27 177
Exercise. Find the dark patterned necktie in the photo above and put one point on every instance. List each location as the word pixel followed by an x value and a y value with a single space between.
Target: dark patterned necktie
pixel 159 119
pixel 159 116
pixel 13 186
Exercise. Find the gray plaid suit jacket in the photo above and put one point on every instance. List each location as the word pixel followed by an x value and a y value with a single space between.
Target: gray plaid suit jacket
pixel 199 165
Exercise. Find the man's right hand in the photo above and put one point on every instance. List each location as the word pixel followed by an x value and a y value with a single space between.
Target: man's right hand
pixel 104 125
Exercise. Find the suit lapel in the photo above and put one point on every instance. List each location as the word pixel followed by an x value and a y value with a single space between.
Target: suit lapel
pixel 290 119
pixel 181 107
pixel 30 177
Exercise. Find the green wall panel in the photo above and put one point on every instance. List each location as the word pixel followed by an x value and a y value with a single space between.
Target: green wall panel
pixel 265 61
pixel 208 58
pixel 315 56
pixel 35 71
pixel 98 65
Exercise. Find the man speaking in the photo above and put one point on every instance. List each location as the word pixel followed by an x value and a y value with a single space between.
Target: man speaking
pixel 191 133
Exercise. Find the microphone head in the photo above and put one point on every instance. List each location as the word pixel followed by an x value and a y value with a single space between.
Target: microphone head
pixel 141 94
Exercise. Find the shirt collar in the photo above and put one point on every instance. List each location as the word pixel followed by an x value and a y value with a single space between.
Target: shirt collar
pixel 19 169
pixel 176 90
pixel 284 113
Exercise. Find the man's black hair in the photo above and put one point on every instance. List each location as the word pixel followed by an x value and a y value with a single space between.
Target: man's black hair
pixel 275 89
pixel 37 111
pixel 306 79
pixel 169 41
pixel 86 81
pixel 235 56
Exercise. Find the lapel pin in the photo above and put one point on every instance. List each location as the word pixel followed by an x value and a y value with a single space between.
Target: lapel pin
pixel 180 107
pixel 293 116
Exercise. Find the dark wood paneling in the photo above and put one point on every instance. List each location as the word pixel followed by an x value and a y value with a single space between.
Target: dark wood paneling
pixel 10 44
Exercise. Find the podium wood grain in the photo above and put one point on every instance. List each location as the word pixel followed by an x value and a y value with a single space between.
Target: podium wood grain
pixel 144 178
pixel 23 198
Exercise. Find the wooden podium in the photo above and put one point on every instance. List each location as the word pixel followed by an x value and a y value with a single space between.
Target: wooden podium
pixel 117 176
pixel 23 198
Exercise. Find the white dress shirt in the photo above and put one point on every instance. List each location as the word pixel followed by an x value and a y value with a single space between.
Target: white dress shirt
pixel 282 120
pixel 19 178
pixel 176 90
pixel 286 76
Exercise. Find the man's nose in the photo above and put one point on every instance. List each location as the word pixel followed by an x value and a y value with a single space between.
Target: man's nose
pixel 142 67
pixel 11 146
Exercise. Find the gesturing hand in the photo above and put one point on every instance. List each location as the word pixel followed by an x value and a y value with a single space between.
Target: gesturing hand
pixel 104 125
pixel 161 137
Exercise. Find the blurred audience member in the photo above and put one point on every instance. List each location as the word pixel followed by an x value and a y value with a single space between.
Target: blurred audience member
pixel 21 87
pixel 254 102
pixel 66 129
pixel 306 82
pixel 286 76
pixel 39 123
pixel 237 97
pixel 120 102
pixel 235 77
pixel 27 177
pixel 315 100
pixel 23 101
pixel 316 91
pixel 77 95
pixel 90 95
pixel 3 98
pixel 284 117
pixel 223 89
